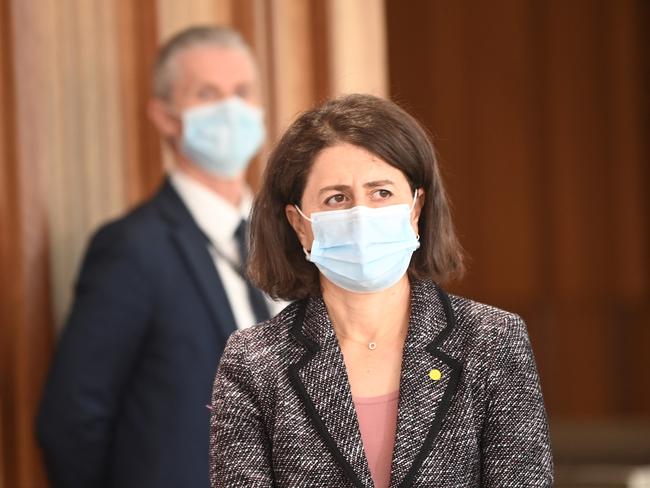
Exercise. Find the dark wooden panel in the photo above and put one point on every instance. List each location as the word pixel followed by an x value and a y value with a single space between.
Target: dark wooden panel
pixel 539 112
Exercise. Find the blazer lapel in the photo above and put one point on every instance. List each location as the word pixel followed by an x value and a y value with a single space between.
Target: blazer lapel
pixel 428 382
pixel 193 246
pixel 320 380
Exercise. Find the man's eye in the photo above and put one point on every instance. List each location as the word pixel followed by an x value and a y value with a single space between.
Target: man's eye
pixel 207 94
pixel 243 92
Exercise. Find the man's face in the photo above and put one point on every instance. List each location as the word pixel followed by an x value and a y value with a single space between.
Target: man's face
pixel 207 74
pixel 202 75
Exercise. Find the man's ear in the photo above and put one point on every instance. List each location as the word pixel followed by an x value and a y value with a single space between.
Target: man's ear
pixel 168 125
pixel 299 225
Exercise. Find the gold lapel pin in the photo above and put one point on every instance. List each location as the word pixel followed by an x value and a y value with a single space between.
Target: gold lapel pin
pixel 435 374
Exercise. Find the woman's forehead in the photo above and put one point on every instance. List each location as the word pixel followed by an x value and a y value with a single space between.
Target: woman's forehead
pixel 346 164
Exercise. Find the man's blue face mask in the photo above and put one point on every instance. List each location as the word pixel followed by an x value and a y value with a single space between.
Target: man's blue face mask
pixel 223 137
pixel 363 249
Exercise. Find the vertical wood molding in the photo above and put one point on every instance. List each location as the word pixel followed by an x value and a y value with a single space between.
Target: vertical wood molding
pixel 291 40
pixel 250 18
pixel 26 333
pixel 138 42
pixel 10 298
pixel 357 41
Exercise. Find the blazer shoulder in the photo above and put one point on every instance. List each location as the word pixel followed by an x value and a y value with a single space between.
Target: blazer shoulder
pixel 136 228
pixel 483 318
pixel 268 338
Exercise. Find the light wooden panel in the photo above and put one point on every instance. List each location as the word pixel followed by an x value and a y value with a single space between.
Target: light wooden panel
pixel 291 40
pixel 81 96
pixel 357 40
pixel 77 148
pixel 174 16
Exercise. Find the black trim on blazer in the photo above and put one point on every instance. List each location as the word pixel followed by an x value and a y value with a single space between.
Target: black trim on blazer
pixel 296 327
pixel 312 349
pixel 431 348
pixel 445 403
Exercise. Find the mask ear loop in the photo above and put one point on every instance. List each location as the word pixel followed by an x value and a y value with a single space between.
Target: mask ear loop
pixel 416 194
pixel 307 254
pixel 303 215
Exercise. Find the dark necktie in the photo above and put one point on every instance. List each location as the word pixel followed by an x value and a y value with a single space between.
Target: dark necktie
pixel 255 296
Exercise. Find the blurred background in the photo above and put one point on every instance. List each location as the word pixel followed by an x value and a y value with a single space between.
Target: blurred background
pixel 540 113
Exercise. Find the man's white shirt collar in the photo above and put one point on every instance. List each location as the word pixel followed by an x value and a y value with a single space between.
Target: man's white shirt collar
pixel 214 215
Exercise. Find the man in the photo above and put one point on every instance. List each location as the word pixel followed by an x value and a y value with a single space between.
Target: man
pixel 161 289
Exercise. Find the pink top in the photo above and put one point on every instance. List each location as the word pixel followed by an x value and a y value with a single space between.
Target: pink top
pixel 378 422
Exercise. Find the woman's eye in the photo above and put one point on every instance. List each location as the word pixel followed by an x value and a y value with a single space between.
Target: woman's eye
pixel 334 199
pixel 382 194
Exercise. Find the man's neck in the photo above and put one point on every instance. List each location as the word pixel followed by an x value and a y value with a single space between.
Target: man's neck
pixel 230 189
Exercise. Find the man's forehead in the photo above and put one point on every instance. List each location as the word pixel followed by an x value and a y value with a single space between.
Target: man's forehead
pixel 210 60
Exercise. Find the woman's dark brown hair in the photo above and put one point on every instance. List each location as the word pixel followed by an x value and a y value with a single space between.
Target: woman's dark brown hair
pixel 277 263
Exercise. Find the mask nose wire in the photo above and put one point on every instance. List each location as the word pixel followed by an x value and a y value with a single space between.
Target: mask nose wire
pixel 303 215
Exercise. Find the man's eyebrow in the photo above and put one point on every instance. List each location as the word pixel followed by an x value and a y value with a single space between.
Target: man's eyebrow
pixel 213 86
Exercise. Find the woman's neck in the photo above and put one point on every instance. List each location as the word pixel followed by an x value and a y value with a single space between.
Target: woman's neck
pixel 364 317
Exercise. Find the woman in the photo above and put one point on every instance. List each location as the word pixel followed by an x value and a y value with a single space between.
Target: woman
pixel 374 376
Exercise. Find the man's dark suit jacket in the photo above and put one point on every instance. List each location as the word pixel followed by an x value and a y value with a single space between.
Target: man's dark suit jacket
pixel 283 414
pixel 125 402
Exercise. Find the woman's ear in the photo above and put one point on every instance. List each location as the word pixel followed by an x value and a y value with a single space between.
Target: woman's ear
pixel 300 226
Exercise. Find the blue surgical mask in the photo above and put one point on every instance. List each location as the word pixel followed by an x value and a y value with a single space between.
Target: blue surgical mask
pixel 223 137
pixel 363 249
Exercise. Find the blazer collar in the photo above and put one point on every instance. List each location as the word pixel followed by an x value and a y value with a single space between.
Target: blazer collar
pixel 428 381
pixel 320 380
pixel 192 244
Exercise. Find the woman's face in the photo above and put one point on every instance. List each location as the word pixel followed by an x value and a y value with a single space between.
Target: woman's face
pixel 346 176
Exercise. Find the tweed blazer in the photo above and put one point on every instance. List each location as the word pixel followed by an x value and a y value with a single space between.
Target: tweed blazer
pixel 283 416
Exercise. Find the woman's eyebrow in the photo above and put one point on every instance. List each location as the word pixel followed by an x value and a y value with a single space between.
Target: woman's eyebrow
pixel 334 187
pixel 370 184
pixel 374 184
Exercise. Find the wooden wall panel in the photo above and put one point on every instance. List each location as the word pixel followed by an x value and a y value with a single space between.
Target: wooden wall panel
pixel 25 327
pixel 137 32
pixel 10 311
pixel 293 84
pixel 77 148
pixel 357 42
pixel 80 117
pixel 538 110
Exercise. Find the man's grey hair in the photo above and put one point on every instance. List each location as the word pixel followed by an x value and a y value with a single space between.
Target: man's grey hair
pixel 164 70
